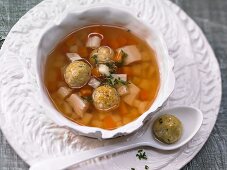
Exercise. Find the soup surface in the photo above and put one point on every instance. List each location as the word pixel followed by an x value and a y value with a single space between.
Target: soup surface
pixel 102 76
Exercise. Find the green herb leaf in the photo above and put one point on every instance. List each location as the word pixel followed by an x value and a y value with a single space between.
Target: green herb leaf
pixel 95 59
pixel 87 98
pixel 112 66
pixel 124 56
pixel 110 80
pixel 146 167
pixel 133 169
pixel 141 155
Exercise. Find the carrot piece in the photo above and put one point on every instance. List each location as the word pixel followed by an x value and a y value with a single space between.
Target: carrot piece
pixel 95 72
pixel 109 123
pixel 86 91
pixel 143 95
pixel 83 51
pixel 127 70
pixel 123 109
pixel 118 57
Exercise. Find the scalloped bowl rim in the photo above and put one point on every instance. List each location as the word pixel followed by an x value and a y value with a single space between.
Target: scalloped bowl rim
pixel 61 29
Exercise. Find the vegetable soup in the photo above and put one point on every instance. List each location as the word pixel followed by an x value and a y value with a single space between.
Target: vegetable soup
pixel 102 76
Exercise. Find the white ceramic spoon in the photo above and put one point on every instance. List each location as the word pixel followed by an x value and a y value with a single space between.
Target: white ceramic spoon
pixel 190 117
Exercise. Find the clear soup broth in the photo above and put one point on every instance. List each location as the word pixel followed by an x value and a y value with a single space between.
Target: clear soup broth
pixel 116 59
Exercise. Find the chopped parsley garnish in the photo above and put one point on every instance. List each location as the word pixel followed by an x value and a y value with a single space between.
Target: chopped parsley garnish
pixel 112 66
pixel 141 155
pixel 87 98
pixel 146 167
pixel 133 169
pixel 112 81
pixel 94 57
pixel 124 55
pixel 121 82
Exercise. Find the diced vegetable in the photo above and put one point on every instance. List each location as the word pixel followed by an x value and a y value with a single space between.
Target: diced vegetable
pixel 86 118
pixel 95 72
pixel 126 120
pixel 64 92
pixel 86 91
pixel 118 57
pixel 146 56
pixel 132 52
pixel 61 83
pixel 136 80
pixel 102 115
pixel 116 118
pixel 94 83
pixel 133 93
pixel 104 69
pixel 109 123
pixel 126 70
pixel 123 90
pixel 73 56
pixel 96 123
pixel 73 49
pixel 141 105
pixel 144 84
pixel 136 103
pixel 67 108
pixel 123 109
pixel 79 105
pixel 151 72
pixel 75 116
pixel 143 95
pixel 122 77
pixel 56 99
pixel 93 42
pixel 145 66
pixel 119 123
pixel 137 70
pixel 134 113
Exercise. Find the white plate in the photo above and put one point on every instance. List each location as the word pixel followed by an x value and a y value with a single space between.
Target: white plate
pixel 35 137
